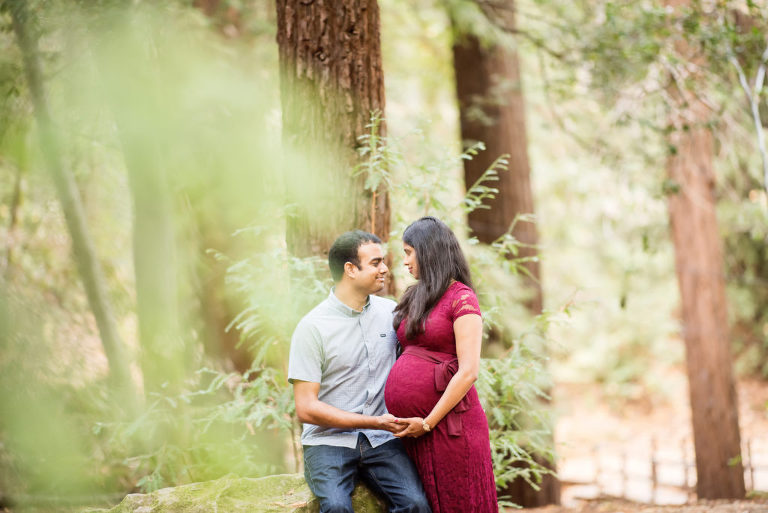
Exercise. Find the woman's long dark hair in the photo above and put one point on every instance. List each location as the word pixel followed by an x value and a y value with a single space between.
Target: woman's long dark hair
pixel 440 260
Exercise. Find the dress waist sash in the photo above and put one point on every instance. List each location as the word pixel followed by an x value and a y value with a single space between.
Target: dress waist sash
pixel 446 365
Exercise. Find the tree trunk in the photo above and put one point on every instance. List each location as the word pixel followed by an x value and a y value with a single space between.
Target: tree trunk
pixel 699 265
pixel 135 101
pixel 88 265
pixel 331 81
pixel 700 276
pixel 155 266
pixel 492 111
pixel 12 223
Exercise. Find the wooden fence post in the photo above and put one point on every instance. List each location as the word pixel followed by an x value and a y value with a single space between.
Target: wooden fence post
pixel 751 467
pixel 654 477
pixel 624 473
pixel 596 456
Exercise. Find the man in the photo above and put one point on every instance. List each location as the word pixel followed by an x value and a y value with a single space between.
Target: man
pixel 341 354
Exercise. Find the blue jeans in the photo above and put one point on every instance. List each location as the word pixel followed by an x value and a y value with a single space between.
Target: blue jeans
pixel 332 473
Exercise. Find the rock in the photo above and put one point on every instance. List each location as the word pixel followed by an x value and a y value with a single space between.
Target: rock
pixel 285 493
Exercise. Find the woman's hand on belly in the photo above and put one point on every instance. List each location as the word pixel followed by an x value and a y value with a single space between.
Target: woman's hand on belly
pixel 413 427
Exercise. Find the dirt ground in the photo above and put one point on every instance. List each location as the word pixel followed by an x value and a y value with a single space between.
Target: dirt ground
pixel 607 448
pixel 617 506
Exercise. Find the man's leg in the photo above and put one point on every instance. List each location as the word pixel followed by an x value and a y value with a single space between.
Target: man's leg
pixel 331 473
pixel 390 472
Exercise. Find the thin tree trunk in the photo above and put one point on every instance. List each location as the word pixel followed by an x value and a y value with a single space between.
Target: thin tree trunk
pixel 13 222
pixel 84 252
pixel 700 276
pixel 135 101
pixel 492 111
pixel 331 81
pixel 155 265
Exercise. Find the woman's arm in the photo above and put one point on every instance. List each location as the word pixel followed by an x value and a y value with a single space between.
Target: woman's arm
pixel 468 330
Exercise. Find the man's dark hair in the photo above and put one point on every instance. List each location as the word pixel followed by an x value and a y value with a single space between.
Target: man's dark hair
pixel 344 249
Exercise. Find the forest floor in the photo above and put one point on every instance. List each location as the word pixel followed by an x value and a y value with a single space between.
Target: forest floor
pixel 619 506
pixel 607 449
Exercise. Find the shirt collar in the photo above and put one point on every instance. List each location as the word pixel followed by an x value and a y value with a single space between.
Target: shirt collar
pixel 344 309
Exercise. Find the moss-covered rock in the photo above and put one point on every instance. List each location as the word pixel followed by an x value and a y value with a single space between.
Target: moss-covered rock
pixel 286 493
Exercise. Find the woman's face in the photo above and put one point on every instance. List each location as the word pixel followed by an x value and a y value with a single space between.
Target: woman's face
pixel 410 260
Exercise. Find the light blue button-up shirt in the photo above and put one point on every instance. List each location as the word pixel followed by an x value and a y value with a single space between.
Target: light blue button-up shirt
pixel 350 354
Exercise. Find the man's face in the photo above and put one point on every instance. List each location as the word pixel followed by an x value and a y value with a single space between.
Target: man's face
pixel 372 271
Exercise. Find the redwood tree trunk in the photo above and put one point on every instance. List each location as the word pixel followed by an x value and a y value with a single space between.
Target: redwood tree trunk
pixel 492 111
pixel 699 264
pixel 700 276
pixel 331 80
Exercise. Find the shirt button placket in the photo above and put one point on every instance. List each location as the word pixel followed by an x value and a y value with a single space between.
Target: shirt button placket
pixel 369 400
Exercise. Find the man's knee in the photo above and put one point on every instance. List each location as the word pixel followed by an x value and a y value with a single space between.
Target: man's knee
pixel 422 506
pixel 336 505
pixel 412 503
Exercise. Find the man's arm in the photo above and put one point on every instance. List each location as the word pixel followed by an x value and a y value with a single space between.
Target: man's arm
pixel 312 410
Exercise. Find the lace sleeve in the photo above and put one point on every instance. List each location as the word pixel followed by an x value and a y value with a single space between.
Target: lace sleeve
pixel 464 303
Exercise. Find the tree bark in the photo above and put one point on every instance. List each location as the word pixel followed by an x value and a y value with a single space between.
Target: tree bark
pixel 331 80
pixel 700 276
pixel 492 111
pixel 88 264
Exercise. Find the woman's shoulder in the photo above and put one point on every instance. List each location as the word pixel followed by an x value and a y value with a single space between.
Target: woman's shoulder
pixel 457 287
pixel 455 291
pixel 462 300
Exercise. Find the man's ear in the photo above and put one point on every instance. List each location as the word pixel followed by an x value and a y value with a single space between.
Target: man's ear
pixel 350 269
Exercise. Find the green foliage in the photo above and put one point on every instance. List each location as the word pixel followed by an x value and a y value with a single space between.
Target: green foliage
pixel 225 423
pixel 512 391
pixel 278 289
pixel 745 252
pixel 210 134
pixel 479 191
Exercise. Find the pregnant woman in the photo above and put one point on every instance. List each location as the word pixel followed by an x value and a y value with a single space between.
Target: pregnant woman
pixel 431 386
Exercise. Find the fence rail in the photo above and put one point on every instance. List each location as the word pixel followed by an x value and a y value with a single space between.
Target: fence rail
pixel 652 472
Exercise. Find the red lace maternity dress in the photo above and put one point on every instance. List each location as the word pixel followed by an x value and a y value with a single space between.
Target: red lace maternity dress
pixel 454 459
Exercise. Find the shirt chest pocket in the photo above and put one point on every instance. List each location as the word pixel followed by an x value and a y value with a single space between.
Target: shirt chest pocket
pixel 385 345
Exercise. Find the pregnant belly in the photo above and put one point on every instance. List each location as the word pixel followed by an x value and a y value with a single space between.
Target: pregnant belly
pixel 410 389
